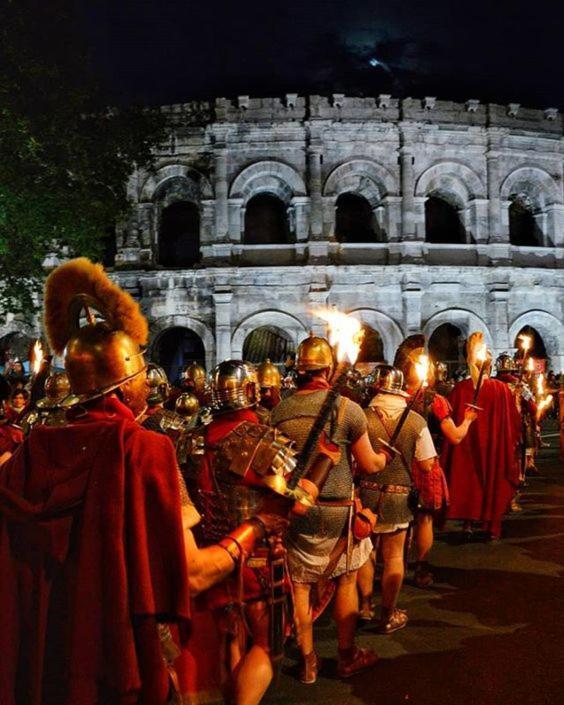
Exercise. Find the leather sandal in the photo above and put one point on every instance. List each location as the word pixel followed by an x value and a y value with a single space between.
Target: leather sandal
pixel 397 620
pixel 310 667
pixel 423 577
pixel 360 660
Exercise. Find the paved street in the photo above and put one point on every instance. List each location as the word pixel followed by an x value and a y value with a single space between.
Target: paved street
pixel 489 631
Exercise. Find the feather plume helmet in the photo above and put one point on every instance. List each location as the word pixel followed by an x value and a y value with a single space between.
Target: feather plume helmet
pixel 79 283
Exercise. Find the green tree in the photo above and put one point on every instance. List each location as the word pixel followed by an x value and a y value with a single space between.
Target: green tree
pixel 65 157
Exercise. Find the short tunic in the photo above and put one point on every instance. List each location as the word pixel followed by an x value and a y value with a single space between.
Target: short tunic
pixel 312 538
pixel 391 508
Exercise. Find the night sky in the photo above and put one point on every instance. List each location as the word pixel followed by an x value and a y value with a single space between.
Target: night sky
pixel 163 51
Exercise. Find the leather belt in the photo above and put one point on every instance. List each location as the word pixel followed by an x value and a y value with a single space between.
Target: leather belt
pixel 334 503
pixel 392 489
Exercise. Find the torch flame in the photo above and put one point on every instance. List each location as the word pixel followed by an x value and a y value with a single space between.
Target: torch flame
pixel 37 357
pixel 422 368
pixel 345 333
pixel 525 342
pixel 540 385
pixel 544 404
pixel 530 365
pixel 482 354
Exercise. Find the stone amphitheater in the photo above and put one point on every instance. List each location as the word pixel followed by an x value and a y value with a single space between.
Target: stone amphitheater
pixel 413 214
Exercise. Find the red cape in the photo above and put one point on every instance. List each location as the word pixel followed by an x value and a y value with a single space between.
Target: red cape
pixel 92 555
pixel 482 471
pixel 10 438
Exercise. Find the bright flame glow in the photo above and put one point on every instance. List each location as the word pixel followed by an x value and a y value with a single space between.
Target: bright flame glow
pixel 345 333
pixel 482 354
pixel 37 357
pixel 540 385
pixel 544 404
pixel 525 342
pixel 422 368
pixel 530 365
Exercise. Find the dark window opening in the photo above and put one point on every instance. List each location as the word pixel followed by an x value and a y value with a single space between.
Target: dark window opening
pixel 523 229
pixel 442 222
pixel 372 347
pixel 267 342
pixel 176 348
pixel 266 221
pixel 447 344
pixel 354 220
pixel 537 349
pixel 179 237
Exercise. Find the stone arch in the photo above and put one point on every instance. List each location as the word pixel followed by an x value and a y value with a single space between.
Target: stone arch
pixel 193 184
pixel 291 325
pixel 362 176
pixel 160 325
pixel 390 331
pixel 550 328
pixel 467 321
pixel 453 178
pixel 268 176
pixel 269 342
pixel 537 183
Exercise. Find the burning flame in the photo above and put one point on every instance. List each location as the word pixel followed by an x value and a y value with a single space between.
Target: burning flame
pixel 345 333
pixel 37 357
pixel 530 364
pixel 544 404
pixel 422 368
pixel 540 385
pixel 482 354
pixel 526 342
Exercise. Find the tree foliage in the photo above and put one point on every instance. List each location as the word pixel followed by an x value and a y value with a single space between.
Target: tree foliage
pixel 65 157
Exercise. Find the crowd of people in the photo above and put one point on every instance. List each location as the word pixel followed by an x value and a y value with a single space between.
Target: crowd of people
pixel 162 544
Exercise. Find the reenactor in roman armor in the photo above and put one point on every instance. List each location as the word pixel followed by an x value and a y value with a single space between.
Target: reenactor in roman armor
pixel 112 554
pixel 48 410
pixel 194 381
pixel 442 384
pixel 188 406
pixel 321 549
pixel 157 417
pixel 390 494
pixel 432 484
pixel 270 385
pixel 244 470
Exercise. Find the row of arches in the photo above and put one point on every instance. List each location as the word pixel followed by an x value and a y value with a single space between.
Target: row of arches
pixel 275 335
pixel 267 204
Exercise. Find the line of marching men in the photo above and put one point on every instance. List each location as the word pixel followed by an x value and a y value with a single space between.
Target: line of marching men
pixel 151 540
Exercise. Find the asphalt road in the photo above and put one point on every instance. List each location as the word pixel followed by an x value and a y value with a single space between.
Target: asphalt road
pixel 491 629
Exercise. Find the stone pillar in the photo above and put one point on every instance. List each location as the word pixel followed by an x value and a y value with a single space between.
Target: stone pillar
pixel 317 296
pixel 407 170
pixel 497 234
pixel 411 298
pixel 499 318
pixel 220 187
pixel 222 302
pixel 300 206
pixel 314 176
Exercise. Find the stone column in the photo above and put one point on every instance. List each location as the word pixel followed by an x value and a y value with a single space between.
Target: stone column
pixel 222 302
pixel 496 233
pixel 499 318
pixel 317 298
pixel 220 187
pixel 411 298
pixel 314 176
pixel 407 171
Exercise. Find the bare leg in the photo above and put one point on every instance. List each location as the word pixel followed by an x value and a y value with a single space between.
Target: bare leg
pixel 423 536
pixel 366 583
pixel 394 568
pixel 303 616
pixel 345 610
pixel 255 670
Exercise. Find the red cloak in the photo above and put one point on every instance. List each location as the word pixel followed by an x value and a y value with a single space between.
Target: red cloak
pixel 92 556
pixel 482 471
pixel 10 438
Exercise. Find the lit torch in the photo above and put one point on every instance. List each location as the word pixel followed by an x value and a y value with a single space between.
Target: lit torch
pixel 345 335
pixel 526 342
pixel 482 358
pixel 37 357
pixel 422 370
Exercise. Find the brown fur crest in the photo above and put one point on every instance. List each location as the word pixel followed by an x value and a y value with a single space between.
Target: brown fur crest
pixel 81 277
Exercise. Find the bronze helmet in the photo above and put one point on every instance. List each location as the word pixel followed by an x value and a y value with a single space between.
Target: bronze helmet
pixel 57 387
pixel 268 375
pixel 441 371
pixel 234 385
pixel 506 363
pixel 389 380
pixel 105 353
pixel 195 374
pixel 159 387
pixel 187 405
pixel 314 353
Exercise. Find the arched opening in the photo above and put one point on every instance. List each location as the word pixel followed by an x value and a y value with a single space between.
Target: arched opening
pixel 447 344
pixel 179 235
pixel 523 228
pixel 442 222
pixel 354 220
pixel 537 349
pixel 372 346
pixel 266 221
pixel 176 348
pixel 268 341
pixel 108 247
